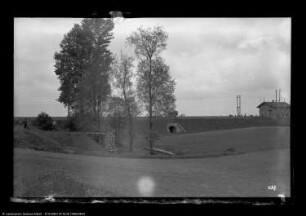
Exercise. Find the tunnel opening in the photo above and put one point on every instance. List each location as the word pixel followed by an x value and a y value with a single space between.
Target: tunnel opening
pixel 175 128
pixel 172 129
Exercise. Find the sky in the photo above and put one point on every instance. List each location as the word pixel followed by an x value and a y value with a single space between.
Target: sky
pixel 211 59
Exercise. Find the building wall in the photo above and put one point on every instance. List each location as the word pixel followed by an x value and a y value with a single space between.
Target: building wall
pixel 266 111
pixel 271 112
pixel 283 112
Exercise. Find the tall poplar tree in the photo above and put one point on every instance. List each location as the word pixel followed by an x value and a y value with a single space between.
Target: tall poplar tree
pixel 83 66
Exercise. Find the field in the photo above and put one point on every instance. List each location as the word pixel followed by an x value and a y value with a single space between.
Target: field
pixel 237 162
pixel 39 174
pixel 226 142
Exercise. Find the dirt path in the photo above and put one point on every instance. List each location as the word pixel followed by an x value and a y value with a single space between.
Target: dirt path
pixel 240 175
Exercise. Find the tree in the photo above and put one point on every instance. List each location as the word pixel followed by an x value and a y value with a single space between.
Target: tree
pixel 162 87
pixel 116 115
pixel 68 65
pixel 83 66
pixel 122 71
pixel 148 44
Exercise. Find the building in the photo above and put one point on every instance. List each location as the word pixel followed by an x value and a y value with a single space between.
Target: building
pixel 274 110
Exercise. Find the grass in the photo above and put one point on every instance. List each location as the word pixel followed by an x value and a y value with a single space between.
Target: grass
pixel 34 140
pixel 53 182
pixel 195 124
pixel 226 142
pixel 48 173
pixel 197 144
pixel 56 141
pixel 40 174
pixel 202 124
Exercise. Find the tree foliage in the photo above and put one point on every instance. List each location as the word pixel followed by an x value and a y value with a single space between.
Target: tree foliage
pixel 155 92
pixel 83 64
pixel 122 72
pixel 148 43
pixel 162 85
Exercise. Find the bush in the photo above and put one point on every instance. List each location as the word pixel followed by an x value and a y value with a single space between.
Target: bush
pixel 72 123
pixel 44 121
pixel 79 122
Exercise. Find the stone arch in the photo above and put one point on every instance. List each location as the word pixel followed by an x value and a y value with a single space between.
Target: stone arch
pixel 175 128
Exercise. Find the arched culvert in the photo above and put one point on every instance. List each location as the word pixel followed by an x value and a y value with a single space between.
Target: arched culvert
pixel 175 128
pixel 172 129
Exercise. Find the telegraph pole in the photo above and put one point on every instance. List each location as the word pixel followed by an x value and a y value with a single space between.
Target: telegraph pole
pixel 238 97
pixel 237 105
pixel 240 104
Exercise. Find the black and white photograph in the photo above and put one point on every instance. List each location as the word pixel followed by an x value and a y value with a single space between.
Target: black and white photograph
pixel 152 107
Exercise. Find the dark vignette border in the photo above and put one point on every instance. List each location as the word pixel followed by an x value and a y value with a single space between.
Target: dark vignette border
pixel 190 10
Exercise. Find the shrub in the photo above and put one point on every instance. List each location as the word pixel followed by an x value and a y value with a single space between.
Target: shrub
pixel 79 122
pixel 87 123
pixel 44 121
pixel 72 123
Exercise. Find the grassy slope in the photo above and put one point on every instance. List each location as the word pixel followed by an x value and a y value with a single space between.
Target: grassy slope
pixel 234 141
pixel 54 141
pixel 197 124
pixel 194 125
pixel 71 143
pixel 80 144
pixel 204 144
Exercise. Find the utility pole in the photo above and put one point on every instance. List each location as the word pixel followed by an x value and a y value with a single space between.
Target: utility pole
pixel 238 97
pixel 240 104
pixel 279 95
pixel 237 105
pixel 276 96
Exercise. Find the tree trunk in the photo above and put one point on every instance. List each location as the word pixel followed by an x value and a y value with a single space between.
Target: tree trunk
pixel 128 109
pixel 129 117
pixel 68 107
pixel 94 104
pixel 117 132
pixel 99 113
pixel 130 129
pixel 150 110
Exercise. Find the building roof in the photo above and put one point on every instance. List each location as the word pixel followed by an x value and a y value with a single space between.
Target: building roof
pixel 275 104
